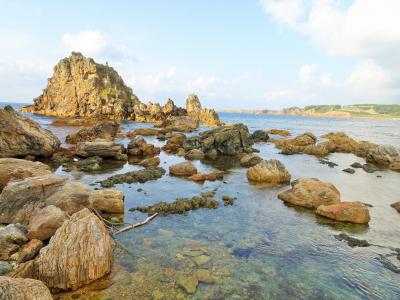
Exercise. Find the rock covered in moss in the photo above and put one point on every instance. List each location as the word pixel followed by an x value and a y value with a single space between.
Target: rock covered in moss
pixel 151 173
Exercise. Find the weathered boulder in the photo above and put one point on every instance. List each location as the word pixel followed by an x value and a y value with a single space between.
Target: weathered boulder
pixel 180 123
pixel 310 193
pixel 269 171
pixel 71 197
pixel 320 149
pixel 20 136
pixel 396 206
pixel 11 237
pixel 107 200
pixel 354 212
pixel 383 155
pixel 150 162
pixel 44 222
pixel 206 116
pixel 29 250
pixel 139 147
pixel 342 142
pixel 224 140
pixel 250 160
pixel 183 169
pixel 105 130
pixel 23 289
pixel 194 154
pixel 147 132
pixel 19 199
pixel 281 132
pixel 102 149
pixel 304 139
pixel 297 144
pixel 259 136
pixel 9 169
pixel 174 143
pixel 79 253
pixel 364 148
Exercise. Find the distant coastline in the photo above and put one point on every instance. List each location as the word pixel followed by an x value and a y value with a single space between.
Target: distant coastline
pixel 370 111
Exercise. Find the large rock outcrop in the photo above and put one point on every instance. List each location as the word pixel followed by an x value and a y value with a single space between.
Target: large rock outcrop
pixel 79 253
pixel 80 87
pixel 20 136
pixel 206 116
pixel 225 140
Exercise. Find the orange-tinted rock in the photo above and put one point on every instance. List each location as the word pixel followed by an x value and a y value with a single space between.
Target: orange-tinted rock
pixel 29 250
pixel 45 222
pixel 269 171
pixel 23 289
pixel 354 212
pixel 183 169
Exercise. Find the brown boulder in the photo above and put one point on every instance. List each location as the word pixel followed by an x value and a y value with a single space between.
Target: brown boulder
pixel 106 131
pixel 310 193
pixel 103 149
pixel 194 154
pixel 180 123
pixel 79 253
pixel 396 206
pixel 174 143
pixel 44 222
pixel 147 132
pixel 10 168
pixel 19 199
pixel 269 171
pixel 281 132
pixel 353 212
pixel 20 136
pixel 23 289
pixel 107 200
pixel 341 142
pixel 250 160
pixel 29 250
pixel 150 162
pixel 139 147
pixel 183 169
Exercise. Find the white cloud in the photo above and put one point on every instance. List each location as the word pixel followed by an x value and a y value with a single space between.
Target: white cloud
pixel 284 12
pixel 96 44
pixel 365 31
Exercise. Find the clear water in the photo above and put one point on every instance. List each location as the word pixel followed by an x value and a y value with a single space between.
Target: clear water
pixel 260 248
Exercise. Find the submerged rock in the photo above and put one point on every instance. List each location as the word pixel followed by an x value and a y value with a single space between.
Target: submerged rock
pixel 24 289
pixel 187 283
pixel 184 169
pixel 310 193
pixel 105 130
pixel 269 171
pixel 356 165
pixel 151 173
pixel 20 136
pixel 281 132
pixel 179 206
pixel 351 241
pixel 79 253
pixel 228 200
pixel 225 140
pixel 354 212
pixel 349 170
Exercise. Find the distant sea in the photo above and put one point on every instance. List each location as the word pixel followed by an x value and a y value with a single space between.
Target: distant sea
pixel 376 131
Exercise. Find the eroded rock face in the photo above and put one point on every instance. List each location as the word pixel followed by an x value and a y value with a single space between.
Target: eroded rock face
pixel 181 123
pixel 206 116
pixel 269 171
pixel 79 253
pixel 174 143
pixel 353 212
pixel 20 136
pixel 23 289
pixel 224 140
pixel 310 193
pixel 44 222
pixel 19 199
pixel 80 87
pixel 105 130
pixel 102 149
pixel 9 169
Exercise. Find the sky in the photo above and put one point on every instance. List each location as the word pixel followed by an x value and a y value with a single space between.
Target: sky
pixel 234 54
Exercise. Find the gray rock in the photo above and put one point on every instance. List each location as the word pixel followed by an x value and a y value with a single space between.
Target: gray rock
pixel 260 136
pixel 13 234
pixel 349 170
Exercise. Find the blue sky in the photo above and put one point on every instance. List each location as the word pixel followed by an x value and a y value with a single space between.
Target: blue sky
pixel 249 54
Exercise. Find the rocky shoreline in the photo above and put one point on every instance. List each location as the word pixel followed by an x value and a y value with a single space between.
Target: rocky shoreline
pixel 58 234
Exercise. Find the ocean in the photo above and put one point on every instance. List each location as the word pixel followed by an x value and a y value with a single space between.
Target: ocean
pixel 259 248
